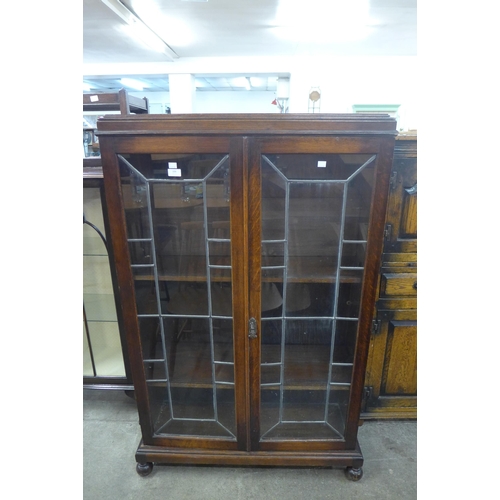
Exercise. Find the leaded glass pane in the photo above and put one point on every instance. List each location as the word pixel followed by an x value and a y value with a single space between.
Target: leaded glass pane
pixel 178 220
pixel 314 233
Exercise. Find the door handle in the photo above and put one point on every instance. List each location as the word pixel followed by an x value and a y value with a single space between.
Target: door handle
pixel 252 328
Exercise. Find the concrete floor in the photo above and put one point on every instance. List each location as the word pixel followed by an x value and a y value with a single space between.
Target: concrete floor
pixel 111 434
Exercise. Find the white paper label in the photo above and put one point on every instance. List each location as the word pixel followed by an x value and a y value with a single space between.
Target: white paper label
pixel 173 171
pixel 94 98
pixel 321 164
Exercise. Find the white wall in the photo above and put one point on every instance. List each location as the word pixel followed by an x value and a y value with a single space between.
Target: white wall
pixel 235 102
pixel 182 92
pixel 358 80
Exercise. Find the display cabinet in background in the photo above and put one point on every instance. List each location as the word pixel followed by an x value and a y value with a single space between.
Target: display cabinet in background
pixel 247 251
pixel 105 360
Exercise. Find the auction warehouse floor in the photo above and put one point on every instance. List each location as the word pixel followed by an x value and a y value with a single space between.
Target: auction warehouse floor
pixel 111 434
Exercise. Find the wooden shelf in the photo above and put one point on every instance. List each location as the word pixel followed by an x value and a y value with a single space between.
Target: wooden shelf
pixel 306 368
pixel 92 168
pixel 312 270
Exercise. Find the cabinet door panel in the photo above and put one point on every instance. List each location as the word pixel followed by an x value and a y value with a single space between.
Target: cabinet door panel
pixel 315 214
pixel 391 377
pixel 409 214
pixel 105 356
pixel 178 224
pixel 402 203
pixel 400 374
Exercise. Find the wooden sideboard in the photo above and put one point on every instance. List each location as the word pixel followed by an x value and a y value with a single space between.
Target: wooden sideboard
pixel 391 378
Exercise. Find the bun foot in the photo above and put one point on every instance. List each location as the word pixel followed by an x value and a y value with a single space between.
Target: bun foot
pixel 354 474
pixel 144 469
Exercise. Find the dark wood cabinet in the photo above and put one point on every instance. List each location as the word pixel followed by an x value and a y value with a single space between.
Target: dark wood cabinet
pixel 391 378
pixel 115 101
pixel 247 252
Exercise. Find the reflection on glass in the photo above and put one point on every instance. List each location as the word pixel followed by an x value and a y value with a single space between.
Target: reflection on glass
pixel 180 249
pixel 314 231
pixel 88 368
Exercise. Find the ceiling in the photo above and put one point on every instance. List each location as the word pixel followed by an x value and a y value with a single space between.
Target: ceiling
pixel 244 28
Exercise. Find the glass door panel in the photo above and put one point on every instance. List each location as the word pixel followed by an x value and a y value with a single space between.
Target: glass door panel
pixel 315 214
pixel 102 348
pixel 178 229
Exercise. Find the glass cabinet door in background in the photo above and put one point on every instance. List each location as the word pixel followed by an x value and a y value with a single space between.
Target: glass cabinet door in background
pixel 102 349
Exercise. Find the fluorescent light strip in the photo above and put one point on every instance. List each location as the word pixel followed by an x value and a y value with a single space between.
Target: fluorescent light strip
pixel 256 81
pixel 134 84
pixel 142 30
pixel 240 81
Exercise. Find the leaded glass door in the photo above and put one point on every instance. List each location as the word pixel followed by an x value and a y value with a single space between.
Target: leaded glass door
pixel 314 219
pixel 177 222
